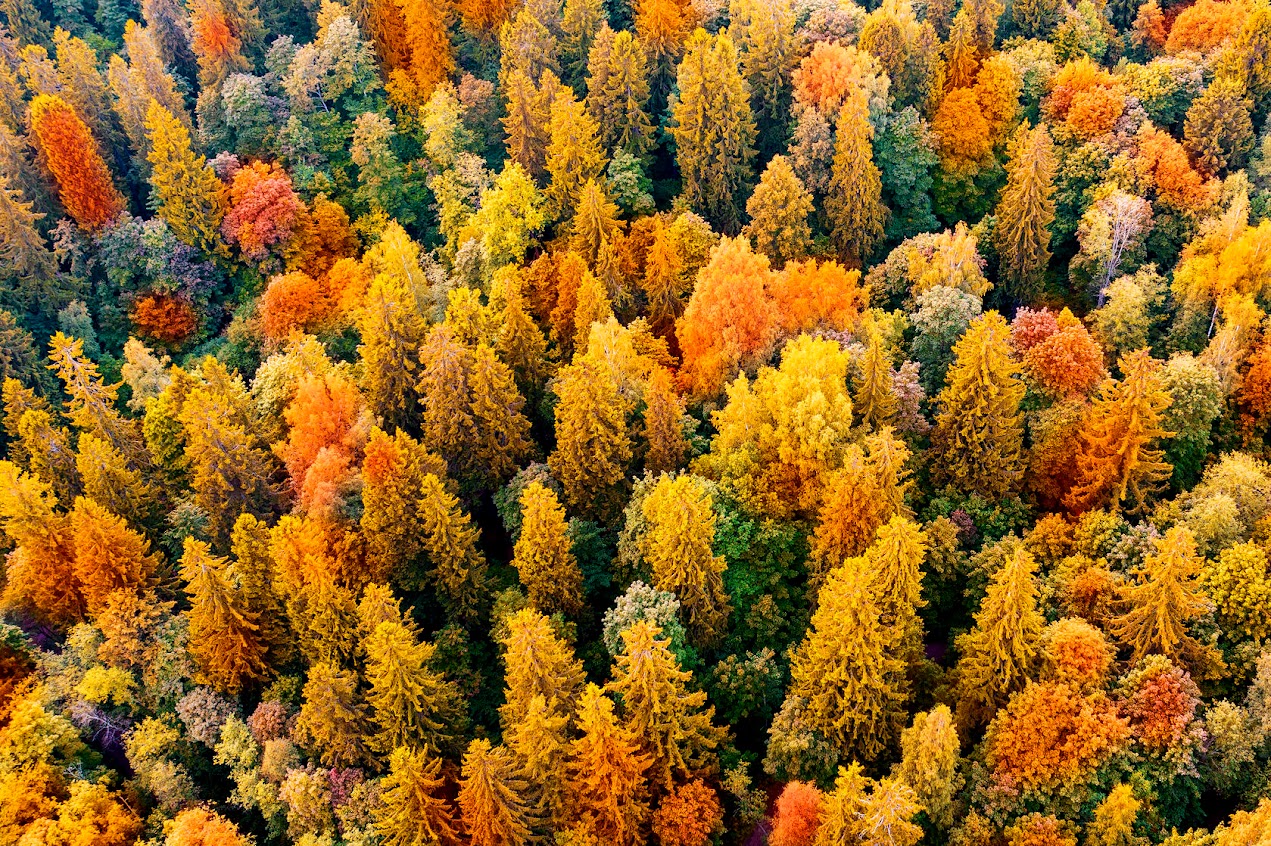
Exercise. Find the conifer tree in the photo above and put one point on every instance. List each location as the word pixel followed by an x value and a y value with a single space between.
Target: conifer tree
pixel 1001 652
pixel 527 122
pixel 543 558
pixel 252 570
pixel 521 344
pixel 672 722
pixel 540 746
pixel 765 35
pixel 332 723
pixel 24 255
pixel 490 797
pixel 1165 597
pixel 1118 463
pixel 574 155
pixel 846 668
pixel 618 92
pixel 895 561
pixel 427 43
pixel 186 193
pixel 593 307
pixel 393 471
pixel 595 221
pixel 840 815
pixel 593 445
pixel 978 434
pixel 1026 210
pixel 854 200
pixel 225 638
pixel 666 446
pixel 92 402
pixel 414 706
pixel 103 473
pixel 414 810
pixel 570 269
pixel 851 511
pixel 391 327
pixel 109 556
pixel 452 545
pixel 874 400
pixel 929 762
pixel 714 128
pixel 538 664
pixel 778 211
pixel 605 775
pixel 83 179
pixel 40 571
pixel 677 547
pixel 664 281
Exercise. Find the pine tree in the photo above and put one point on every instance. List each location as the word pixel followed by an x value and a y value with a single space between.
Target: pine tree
pixel 1117 463
pixel 605 775
pixel 1164 599
pixel 574 155
pixel 542 556
pixel 225 638
pixel 414 706
pixel 618 92
pixel 452 545
pixel 83 179
pixel 332 722
pixel 672 722
pixel 538 664
pixel 1001 652
pixel 490 797
pixel 1026 210
pixel 595 221
pixel 593 446
pixel 414 810
pixel 846 668
pixel 677 547
pixel 666 446
pixel 109 556
pixel 874 399
pixel 778 211
pixel 978 434
pixel 854 200
pixel 714 128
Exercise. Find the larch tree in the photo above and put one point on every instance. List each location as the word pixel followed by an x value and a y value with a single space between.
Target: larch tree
pixel 664 281
pixel 1002 651
pixel 109 556
pixel 606 774
pixel 680 520
pixel 413 705
pixel 846 667
pixel 392 326
pixel 929 762
pixel 332 723
pixel 662 26
pixel 1026 210
pixel 595 222
pixel 414 809
pixel 618 92
pixel 527 121
pixel 538 664
pixel 714 128
pixel 778 210
pixel 452 544
pixel 1118 463
pixel 225 636
pixel 895 560
pixel 40 575
pixel 665 444
pixel 92 401
pixel 574 154
pixel 543 557
pixel 185 191
pixel 540 745
pixel 672 722
pixel 765 35
pixel 854 203
pixel 875 401
pixel 490 797
pixel 84 181
pixel 978 437
pixel 24 254
pixel 393 471
pixel 593 445
pixel 427 43
pixel 851 511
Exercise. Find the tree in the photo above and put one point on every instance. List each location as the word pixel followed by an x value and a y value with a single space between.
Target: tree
pixel 778 211
pixel 83 179
pixel 1114 818
pixel 185 191
pixel 673 723
pixel 605 774
pixel 540 746
pixel 426 39
pixel 332 723
pixel 798 814
pixel 1026 209
pixel 109 556
pixel 846 670
pixel 618 92
pixel 688 816
pixel 538 665
pixel 452 545
pixel 414 706
pixel 1001 652
pixel 895 561
pixel 850 513
pixel 574 156
pixel 595 222
pixel 542 557
pixel 490 791
pixel 1219 130
pixel 40 572
pixel 929 763
pixel 1117 463
pixel 92 402
pixel 713 127
pixel 677 546
pixel 1163 600
pixel 24 255
pixel 199 827
pixel 978 434
pixel 874 401
pixel 392 328
pixel 593 445
pixel 225 637
pixel 765 35
pixel 854 200
pixel 414 811
pixel 663 424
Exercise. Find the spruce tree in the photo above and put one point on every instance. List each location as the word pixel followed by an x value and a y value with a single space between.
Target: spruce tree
pixel 618 93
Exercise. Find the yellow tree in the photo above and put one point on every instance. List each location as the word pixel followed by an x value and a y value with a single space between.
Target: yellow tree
pixel 605 775
pixel 92 402
pixel 854 200
pixel 392 327
pixel 595 222
pixel 875 401
pixel 537 664
pixel 543 557
pixel 109 556
pixel 490 797
pixel 851 511
pixel 540 746
pixel 574 155
pixel 846 668
pixel 1165 598
pixel 332 722
pixel 593 446
pixel 666 446
pixel 40 571
pixel 778 211
pixel 414 810
pixel 1026 209
pixel 618 92
pixel 929 762
pixel 676 544
pixel 225 639
pixel 1118 463
pixel 672 722
pixel 393 471
pixel 452 545
pixel 1001 652
pixel 414 706
pixel 978 435
pixel 185 191
pixel 894 561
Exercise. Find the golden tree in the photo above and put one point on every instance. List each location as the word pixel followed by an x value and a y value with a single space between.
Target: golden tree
pixel 225 638
pixel 666 446
pixel 605 774
pixel 618 92
pixel 854 200
pixel 414 810
pixel 1026 209
pixel 490 797
pixel 188 195
pixel 452 545
pixel 593 445
pixel 778 211
pixel 574 155
pixel 332 722
pixel 538 664
pixel 929 762
pixel 543 557
pixel 414 706
pixel 109 556
pixel 875 401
